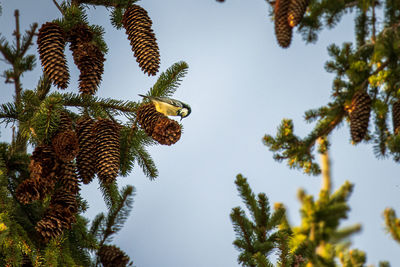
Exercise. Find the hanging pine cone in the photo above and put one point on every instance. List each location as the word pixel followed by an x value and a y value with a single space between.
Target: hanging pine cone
pixel 65 145
pixel 30 190
pixel 85 159
pixel 46 157
pixel 51 43
pixel 166 131
pixel 107 151
pixel 87 57
pixel 65 122
pixel 297 9
pixel 79 34
pixel 359 115
pixel 42 169
pixel 396 116
pixel 157 125
pixel 91 64
pixel 283 31
pixel 137 24
pixel 147 117
pixel 112 256
pixel 68 179
pixel 53 223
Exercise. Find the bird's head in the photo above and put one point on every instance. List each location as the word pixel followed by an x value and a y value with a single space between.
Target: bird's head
pixel 184 112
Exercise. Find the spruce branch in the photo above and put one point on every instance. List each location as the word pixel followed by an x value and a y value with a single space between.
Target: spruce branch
pixel 118 213
pixel 58 7
pixel 106 3
pixel 169 81
pixel 392 223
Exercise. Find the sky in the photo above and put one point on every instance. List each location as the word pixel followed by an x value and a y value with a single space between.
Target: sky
pixel 240 85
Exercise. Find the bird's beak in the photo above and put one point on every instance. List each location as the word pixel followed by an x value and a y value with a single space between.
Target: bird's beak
pixel 181 118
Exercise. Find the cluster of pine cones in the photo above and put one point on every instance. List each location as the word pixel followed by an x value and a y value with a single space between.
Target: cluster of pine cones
pixel 157 125
pixel 53 172
pixel 288 14
pixel 87 55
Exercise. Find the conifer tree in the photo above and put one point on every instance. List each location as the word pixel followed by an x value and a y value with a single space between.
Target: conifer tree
pixel 365 91
pixel 75 137
pixel 319 240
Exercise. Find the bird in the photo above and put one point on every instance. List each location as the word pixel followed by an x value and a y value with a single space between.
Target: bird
pixel 169 106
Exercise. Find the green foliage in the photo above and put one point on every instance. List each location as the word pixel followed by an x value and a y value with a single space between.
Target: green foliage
pixel 370 64
pixel 255 238
pixel 317 241
pixel 392 224
pixel 169 80
pixel 35 118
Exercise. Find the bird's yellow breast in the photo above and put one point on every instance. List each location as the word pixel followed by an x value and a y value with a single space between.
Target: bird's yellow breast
pixel 166 109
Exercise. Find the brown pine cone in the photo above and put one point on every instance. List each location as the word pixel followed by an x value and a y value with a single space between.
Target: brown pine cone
pixel 147 117
pixel 166 131
pixel 283 31
pixel 112 256
pixel 396 116
pixel 86 160
pixel 65 145
pixel 359 115
pixel 107 149
pixel 297 9
pixel 51 44
pixel 137 24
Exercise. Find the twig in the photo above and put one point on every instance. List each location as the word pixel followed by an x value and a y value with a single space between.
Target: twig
pixel 59 8
pixel 325 169
pixel 105 3
pixel 373 21
pixel 16 32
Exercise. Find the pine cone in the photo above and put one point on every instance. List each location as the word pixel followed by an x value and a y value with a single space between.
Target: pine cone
pixel 396 116
pixel 297 9
pixel 46 157
pixel 91 64
pixel 30 190
pixel 359 115
pixel 67 178
pixel 65 145
pixel 283 31
pixel 56 219
pixel 87 57
pixel 79 34
pixel 51 43
pixel 112 256
pixel 166 131
pixel 107 149
pixel 39 180
pixel 42 169
pixel 147 117
pixel 157 125
pixel 137 24
pixel 85 159
pixel 65 122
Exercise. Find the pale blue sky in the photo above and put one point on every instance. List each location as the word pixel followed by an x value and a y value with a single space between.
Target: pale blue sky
pixel 240 85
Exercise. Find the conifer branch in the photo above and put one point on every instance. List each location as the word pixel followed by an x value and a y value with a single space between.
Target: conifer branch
pixel 106 3
pixel 325 169
pixel 58 7
pixel 17 32
pixel 118 213
pixel 392 224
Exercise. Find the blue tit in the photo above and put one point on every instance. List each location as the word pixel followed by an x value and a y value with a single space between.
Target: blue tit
pixel 169 106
